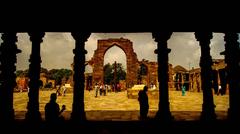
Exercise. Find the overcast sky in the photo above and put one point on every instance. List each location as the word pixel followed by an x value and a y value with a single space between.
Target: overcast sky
pixel 56 49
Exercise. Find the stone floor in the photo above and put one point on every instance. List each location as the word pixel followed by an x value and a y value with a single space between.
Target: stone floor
pixel 116 106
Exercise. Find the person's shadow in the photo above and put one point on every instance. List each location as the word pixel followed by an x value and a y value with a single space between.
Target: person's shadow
pixel 52 111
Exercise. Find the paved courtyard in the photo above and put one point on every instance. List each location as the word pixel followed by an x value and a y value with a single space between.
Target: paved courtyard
pixel 116 106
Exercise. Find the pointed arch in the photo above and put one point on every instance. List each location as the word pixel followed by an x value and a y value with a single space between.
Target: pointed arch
pixel 131 59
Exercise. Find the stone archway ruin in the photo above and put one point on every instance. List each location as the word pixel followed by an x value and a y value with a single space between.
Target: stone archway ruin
pixel 97 60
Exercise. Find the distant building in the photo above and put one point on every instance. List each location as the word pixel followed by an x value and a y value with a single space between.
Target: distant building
pixel 180 78
pixel 219 77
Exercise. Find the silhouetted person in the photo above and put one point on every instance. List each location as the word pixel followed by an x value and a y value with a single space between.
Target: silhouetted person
pixel 143 101
pixel 52 110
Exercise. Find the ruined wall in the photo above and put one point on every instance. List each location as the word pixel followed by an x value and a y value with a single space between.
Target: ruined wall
pixel 152 75
pixel 195 84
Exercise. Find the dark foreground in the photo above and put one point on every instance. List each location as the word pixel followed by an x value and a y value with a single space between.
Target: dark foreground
pixel 123 127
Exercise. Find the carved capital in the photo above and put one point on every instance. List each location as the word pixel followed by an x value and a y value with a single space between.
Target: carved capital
pixel 84 51
pixel 6 37
pixel 161 36
pixel 83 36
pixel 10 38
pixel 202 36
pixel 36 36
pixel 230 36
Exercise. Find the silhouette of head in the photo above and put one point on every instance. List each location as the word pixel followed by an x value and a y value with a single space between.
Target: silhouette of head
pixel 53 97
pixel 145 89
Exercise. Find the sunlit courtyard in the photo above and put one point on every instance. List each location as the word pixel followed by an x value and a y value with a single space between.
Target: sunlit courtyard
pixel 116 105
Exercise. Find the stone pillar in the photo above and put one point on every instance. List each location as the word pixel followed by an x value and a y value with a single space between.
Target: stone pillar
pixel 8 51
pixel 78 112
pixel 33 114
pixel 208 107
pixel 163 113
pixel 233 74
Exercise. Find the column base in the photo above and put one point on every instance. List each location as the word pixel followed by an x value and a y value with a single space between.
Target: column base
pixel 78 117
pixel 164 116
pixel 33 117
pixel 7 116
pixel 208 116
pixel 233 115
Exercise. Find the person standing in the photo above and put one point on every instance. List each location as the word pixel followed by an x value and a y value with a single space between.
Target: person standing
pixel 143 101
pixel 64 90
pixel 96 87
pixel 183 90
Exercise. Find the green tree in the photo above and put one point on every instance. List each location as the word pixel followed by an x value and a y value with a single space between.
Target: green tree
pixel 142 71
pixel 109 73
pixel 19 73
pixel 59 74
pixel 43 70
pixel 121 74
pixel 26 72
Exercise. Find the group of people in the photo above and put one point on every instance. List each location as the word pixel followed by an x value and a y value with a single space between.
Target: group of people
pixel 101 88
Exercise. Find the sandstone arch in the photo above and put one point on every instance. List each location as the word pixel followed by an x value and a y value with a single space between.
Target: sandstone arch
pixel 97 60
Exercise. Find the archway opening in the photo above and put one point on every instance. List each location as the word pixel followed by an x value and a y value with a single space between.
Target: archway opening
pixel 88 78
pixel 143 74
pixel 114 69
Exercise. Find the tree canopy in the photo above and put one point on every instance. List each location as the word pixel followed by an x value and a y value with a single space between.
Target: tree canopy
pixel 109 73
pixel 55 74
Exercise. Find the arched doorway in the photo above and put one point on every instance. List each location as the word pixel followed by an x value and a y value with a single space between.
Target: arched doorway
pixel 115 68
pixel 143 74
pixel 88 77
pixel 98 59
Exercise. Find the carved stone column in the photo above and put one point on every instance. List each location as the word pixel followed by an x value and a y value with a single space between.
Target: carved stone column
pixel 78 112
pixel 208 107
pixel 233 74
pixel 8 51
pixel 33 114
pixel 162 56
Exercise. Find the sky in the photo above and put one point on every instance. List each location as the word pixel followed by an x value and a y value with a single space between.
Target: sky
pixel 56 49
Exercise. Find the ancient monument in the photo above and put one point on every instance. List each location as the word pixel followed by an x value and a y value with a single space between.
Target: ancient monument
pixel 98 59
pixel 133 65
